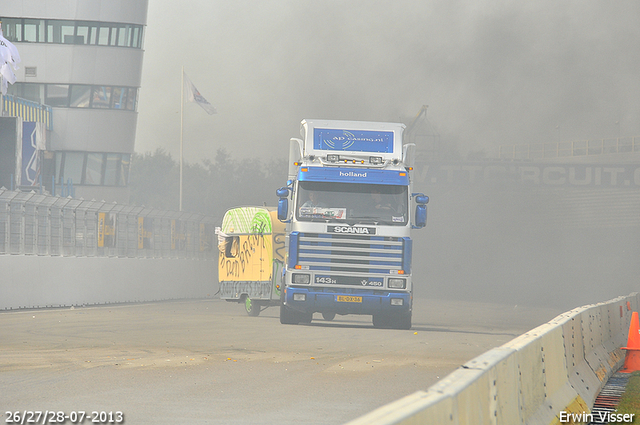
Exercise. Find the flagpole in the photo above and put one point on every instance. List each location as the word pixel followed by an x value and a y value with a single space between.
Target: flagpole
pixel 194 96
pixel 181 130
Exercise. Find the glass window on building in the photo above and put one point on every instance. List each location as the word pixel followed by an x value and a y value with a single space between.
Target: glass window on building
pixel 60 31
pixel 113 40
pixel 34 31
pixel 124 170
pixel 93 170
pixel 72 32
pixel 111 169
pixel 131 99
pixel 101 97
pixel 57 95
pixel 33 92
pixel 119 97
pixel 77 95
pixel 83 33
pixel 80 96
pixel 93 35
pixel 49 37
pixel 114 167
pixel 122 36
pixel 71 167
pixel 135 37
pixel 15 89
pixel 12 29
pixel 103 35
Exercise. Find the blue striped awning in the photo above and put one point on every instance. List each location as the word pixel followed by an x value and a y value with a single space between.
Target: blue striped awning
pixel 27 110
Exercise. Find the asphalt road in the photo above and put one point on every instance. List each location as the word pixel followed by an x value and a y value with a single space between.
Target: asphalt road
pixel 207 362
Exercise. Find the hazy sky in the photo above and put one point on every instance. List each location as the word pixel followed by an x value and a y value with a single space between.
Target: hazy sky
pixel 492 72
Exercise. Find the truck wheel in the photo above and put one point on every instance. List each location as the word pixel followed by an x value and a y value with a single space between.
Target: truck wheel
pixel 403 321
pixel 328 316
pixel 252 307
pixel 305 317
pixel 381 321
pixel 287 316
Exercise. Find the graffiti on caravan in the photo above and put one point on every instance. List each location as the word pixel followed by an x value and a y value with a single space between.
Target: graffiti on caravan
pixel 594 175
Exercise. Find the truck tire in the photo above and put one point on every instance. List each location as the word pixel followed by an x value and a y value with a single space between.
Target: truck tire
pixel 381 321
pixel 403 321
pixel 328 316
pixel 288 316
pixel 305 317
pixel 252 307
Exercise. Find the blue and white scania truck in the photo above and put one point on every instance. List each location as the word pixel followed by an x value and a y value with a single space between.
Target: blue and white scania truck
pixel 348 209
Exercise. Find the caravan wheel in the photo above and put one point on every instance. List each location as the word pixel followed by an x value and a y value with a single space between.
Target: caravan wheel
pixel 252 307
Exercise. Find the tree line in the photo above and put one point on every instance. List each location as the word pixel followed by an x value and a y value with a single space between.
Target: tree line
pixel 209 187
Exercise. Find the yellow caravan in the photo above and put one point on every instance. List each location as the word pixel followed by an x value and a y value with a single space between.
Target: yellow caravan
pixel 251 255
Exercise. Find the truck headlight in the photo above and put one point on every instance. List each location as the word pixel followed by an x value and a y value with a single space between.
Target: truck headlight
pixel 397 283
pixel 301 297
pixel 301 278
pixel 397 301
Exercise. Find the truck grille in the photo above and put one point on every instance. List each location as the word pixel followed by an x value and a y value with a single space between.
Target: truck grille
pixel 350 253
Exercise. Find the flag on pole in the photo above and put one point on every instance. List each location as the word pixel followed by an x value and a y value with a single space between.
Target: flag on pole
pixel 195 96
pixel 9 58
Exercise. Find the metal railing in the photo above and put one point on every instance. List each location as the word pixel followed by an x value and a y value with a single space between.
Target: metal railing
pixel 539 151
pixel 36 224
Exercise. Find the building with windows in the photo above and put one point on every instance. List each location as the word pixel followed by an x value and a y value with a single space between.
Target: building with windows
pixel 84 59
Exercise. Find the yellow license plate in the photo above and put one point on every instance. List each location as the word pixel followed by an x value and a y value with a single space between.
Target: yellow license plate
pixel 348 299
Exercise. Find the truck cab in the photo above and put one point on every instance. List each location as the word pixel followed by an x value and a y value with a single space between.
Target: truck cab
pixel 347 207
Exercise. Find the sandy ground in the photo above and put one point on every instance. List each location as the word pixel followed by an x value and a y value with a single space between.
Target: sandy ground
pixel 207 362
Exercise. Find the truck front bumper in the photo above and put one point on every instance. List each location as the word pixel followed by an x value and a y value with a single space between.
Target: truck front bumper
pixel 333 300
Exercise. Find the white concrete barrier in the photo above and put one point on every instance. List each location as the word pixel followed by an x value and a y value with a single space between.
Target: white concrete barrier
pixel 28 281
pixel 559 366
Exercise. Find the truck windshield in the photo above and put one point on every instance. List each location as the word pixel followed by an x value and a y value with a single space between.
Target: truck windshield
pixel 352 203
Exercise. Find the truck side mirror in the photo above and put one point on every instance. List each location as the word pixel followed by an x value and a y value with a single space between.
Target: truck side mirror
pixel 421 216
pixel 283 209
pixel 283 203
pixel 421 210
pixel 422 199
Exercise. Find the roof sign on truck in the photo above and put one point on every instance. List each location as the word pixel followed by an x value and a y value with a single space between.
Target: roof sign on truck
pixel 353 140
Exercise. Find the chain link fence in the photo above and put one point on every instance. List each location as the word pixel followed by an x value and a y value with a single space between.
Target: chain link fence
pixel 35 224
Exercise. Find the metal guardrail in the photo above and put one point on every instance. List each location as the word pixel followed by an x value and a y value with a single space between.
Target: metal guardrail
pixel 539 151
pixel 35 224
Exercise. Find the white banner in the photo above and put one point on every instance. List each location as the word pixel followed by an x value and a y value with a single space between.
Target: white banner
pixel 9 58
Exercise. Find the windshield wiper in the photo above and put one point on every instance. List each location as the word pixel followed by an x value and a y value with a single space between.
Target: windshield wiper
pixel 316 219
pixel 363 220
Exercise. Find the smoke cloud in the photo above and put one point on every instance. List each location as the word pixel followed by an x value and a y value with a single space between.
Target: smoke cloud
pixel 491 72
